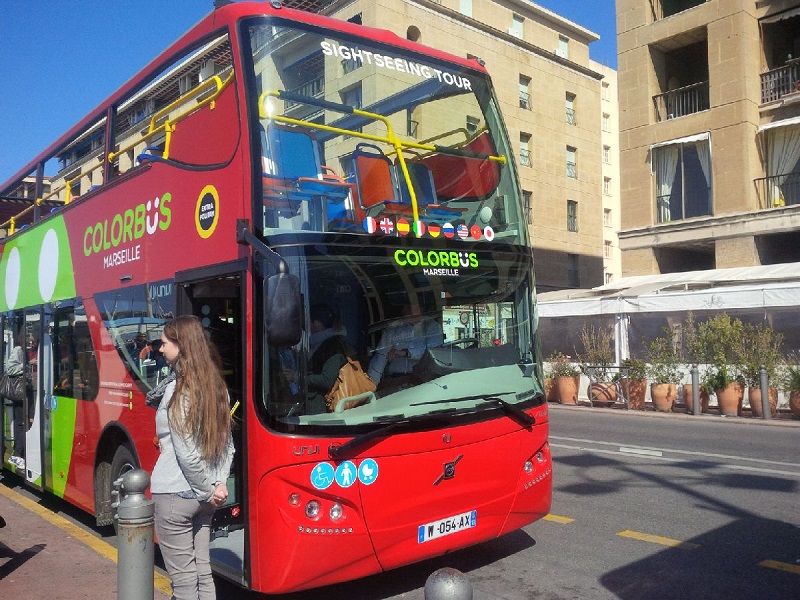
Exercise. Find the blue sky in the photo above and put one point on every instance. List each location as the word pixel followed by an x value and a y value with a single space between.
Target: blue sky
pixel 62 58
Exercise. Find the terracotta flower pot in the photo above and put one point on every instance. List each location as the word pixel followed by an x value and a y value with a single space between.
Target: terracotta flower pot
pixel 550 392
pixel 602 393
pixel 634 391
pixel 689 401
pixel 567 389
pixel 663 396
pixel 756 407
pixel 794 403
pixel 730 399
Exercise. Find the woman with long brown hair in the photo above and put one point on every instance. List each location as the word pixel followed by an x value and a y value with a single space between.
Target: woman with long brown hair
pixel 193 425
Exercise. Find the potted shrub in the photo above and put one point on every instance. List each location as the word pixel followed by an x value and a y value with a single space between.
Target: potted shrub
pixel 718 337
pixel 633 382
pixel 663 370
pixel 693 355
pixel 566 377
pixel 596 361
pixel 790 381
pixel 760 345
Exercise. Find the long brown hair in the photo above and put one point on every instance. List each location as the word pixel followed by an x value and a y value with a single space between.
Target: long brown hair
pixel 208 417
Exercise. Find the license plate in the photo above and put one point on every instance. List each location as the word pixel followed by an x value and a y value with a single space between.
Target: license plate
pixel 443 527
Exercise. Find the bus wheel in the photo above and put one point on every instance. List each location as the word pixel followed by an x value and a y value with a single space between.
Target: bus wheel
pixel 107 473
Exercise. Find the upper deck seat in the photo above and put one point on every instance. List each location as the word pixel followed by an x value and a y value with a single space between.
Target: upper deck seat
pixel 375 182
pixel 293 172
pixel 424 189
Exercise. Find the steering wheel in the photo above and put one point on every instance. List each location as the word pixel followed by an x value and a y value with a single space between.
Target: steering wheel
pixel 467 342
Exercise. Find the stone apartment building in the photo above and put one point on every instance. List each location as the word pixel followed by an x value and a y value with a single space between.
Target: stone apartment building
pixel 709 134
pixel 560 116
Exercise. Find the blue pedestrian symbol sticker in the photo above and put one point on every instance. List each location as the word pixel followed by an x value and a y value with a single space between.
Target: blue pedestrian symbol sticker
pixel 368 471
pixel 346 474
pixel 322 476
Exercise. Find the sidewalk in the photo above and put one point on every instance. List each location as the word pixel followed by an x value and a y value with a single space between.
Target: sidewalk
pixel 44 555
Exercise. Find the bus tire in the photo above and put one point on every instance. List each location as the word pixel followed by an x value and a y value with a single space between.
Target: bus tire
pixel 124 460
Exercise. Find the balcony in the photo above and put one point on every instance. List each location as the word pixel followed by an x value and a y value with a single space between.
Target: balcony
pixel 681 101
pixel 779 82
pixel 661 9
pixel 778 190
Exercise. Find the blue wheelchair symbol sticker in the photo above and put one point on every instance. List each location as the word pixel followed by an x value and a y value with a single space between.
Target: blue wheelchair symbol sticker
pixel 368 471
pixel 322 476
pixel 346 474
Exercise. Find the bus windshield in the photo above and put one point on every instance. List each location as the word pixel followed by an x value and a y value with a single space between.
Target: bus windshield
pixel 374 139
pixel 434 340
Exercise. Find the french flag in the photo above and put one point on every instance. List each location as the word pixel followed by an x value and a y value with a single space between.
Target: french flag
pixel 370 225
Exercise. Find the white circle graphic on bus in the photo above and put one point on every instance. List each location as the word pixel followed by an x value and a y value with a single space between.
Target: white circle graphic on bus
pixel 346 474
pixel 48 265
pixel 368 471
pixel 12 277
pixel 322 476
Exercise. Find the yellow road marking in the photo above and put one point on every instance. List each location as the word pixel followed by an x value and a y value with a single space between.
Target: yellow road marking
pixel 780 566
pixel 558 519
pixel 104 549
pixel 657 539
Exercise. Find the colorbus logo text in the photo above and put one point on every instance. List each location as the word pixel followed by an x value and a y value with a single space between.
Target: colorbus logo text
pixel 436 258
pixel 129 226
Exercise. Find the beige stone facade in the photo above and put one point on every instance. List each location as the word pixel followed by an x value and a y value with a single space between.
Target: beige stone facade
pixel 709 133
pixel 550 95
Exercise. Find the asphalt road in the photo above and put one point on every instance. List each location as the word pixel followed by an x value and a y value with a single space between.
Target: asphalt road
pixel 645 506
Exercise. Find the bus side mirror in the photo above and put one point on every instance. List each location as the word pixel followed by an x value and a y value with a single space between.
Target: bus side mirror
pixel 284 310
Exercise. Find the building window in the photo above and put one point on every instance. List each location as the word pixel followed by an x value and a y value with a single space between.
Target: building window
pixel 607 217
pixel 524 150
pixel 572 166
pixel 527 199
pixel 572 216
pixel 472 125
pixel 606 122
pixel 607 249
pixel 524 92
pixel 465 7
pixel 412 125
pixel 604 91
pixel 562 49
pixel 683 180
pixel 609 278
pixel 569 106
pixel 607 154
pixel 607 186
pixel 517 24
pixel 573 274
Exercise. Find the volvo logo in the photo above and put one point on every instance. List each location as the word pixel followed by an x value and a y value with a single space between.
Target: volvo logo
pixel 449 470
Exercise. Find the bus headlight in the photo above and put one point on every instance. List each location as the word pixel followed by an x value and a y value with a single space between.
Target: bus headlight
pixel 336 512
pixel 528 466
pixel 312 509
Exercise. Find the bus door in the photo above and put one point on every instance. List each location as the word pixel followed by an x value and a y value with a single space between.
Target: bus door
pixel 216 299
pixel 38 367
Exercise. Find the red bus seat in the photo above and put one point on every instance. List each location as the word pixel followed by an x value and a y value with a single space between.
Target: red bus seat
pixel 465 177
pixel 424 190
pixel 375 181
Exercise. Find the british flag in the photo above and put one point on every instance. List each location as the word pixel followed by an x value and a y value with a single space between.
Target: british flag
pixel 387 226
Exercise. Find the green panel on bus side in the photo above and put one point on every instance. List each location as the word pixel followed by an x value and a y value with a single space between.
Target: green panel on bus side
pixel 36 267
pixel 62 423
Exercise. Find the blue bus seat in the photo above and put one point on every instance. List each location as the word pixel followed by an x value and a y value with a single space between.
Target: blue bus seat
pixel 424 189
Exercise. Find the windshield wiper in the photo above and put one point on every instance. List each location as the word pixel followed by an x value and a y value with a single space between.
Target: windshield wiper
pixel 335 451
pixel 512 409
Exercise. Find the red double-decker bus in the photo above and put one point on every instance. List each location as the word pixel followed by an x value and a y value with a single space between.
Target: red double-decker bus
pixel 290 179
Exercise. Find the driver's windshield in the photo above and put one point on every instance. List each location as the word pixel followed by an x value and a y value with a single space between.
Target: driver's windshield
pixel 372 139
pixel 432 342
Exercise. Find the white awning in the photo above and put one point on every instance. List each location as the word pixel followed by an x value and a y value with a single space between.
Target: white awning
pixel 787 14
pixel 700 137
pixel 782 123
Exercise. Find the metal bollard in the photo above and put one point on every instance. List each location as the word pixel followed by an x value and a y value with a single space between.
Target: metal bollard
pixel 135 517
pixel 764 392
pixel 695 391
pixel 448 584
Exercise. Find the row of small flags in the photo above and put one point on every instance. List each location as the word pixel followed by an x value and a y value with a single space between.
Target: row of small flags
pixel 387 226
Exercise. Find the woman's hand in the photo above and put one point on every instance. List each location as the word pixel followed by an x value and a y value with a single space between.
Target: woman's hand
pixel 219 496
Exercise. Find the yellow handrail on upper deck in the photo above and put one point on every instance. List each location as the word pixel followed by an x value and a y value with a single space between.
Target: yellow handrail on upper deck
pixel 390 139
